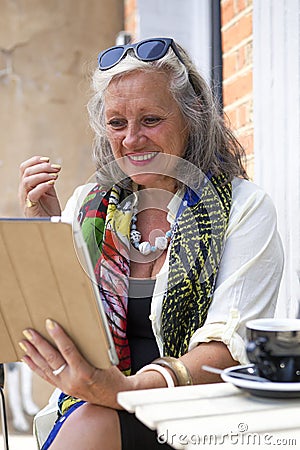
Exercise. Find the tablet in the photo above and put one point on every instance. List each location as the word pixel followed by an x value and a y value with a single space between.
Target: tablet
pixel 46 272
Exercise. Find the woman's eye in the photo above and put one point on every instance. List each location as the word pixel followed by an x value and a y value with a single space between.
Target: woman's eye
pixel 116 123
pixel 152 120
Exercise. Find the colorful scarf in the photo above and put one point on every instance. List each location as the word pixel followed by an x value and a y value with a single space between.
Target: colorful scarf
pixel 195 253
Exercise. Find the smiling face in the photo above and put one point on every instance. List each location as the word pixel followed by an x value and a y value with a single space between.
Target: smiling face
pixel 144 126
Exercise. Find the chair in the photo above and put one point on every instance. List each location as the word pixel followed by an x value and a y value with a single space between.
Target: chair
pixel 3 409
pixel 45 419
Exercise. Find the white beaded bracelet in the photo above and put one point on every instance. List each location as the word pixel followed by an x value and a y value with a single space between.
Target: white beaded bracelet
pixel 162 370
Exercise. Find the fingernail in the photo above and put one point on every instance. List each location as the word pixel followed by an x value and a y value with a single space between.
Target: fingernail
pixel 53 175
pixel 51 182
pixel 28 334
pixel 56 166
pixel 50 325
pixel 45 158
pixel 22 346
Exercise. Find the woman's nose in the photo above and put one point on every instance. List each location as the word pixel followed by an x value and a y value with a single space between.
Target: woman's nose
pixel 134 137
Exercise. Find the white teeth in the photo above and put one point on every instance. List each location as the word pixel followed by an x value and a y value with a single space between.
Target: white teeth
pixel 142 157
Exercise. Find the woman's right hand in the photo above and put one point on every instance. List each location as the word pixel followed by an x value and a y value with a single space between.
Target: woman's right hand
pixel 37 194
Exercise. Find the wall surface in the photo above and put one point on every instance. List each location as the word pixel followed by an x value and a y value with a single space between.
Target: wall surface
pixel 237 41
pixel 47 51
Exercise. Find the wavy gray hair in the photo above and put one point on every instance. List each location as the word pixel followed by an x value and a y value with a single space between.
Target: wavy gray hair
pixel 212 146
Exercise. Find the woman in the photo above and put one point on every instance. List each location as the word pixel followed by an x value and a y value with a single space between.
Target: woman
pixel 174 229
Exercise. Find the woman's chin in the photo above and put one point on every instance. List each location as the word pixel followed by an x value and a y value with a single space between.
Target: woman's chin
pixel 146 179
pixel 150 180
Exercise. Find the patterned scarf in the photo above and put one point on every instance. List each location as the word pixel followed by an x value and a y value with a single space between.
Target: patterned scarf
pixel 195 253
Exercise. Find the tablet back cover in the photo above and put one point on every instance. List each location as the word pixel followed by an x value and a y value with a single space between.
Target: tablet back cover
pixel 43 274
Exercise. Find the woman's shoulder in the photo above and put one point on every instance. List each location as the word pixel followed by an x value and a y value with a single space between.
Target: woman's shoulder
pixel 83 190
pixel 248 197
pixel 243 190
pixel 75 201
pixel 241 186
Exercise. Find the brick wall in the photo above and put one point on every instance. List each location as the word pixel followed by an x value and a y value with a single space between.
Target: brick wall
pixel 130 16
pixel 237 71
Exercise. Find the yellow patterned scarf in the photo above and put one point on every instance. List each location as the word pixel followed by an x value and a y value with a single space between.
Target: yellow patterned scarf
pixel 195 254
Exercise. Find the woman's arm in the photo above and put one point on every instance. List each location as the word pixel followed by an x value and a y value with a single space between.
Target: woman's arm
pixel 249 274
pixel 101 387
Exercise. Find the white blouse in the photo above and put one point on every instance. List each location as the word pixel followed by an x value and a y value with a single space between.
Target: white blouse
pixel 249 274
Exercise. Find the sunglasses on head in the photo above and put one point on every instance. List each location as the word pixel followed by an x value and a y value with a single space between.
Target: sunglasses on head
pixel 146 50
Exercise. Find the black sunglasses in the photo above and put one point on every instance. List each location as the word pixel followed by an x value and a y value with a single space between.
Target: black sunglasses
pixel 146 50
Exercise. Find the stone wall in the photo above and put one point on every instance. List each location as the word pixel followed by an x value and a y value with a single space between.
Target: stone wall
pixel 47 51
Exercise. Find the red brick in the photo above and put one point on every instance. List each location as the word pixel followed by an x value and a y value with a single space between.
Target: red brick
pixel 242 113
pixel 130 10
pixel 238 88
pixel 231 118
pixel 246 140
pixel 237 83
pixel 227 11
pixel 240 5
pixel 239 31
pixel 241 57
pixel 231 8
pixel 229 65
pixel 236 61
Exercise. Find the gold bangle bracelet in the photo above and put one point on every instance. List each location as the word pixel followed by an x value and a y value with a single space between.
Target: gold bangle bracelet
pixel 179 370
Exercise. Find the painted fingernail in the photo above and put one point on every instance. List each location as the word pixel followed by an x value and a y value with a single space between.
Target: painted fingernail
pixel 53 175
pixel 22 346
pixel 50 325
pixel 51 182
pixel 45 159
pixel 56 166
pixel 28 334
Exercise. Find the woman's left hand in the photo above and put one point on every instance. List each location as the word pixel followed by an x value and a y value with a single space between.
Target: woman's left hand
pixel 78 378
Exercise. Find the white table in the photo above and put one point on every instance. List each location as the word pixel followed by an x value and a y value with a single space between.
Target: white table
pixel 216 416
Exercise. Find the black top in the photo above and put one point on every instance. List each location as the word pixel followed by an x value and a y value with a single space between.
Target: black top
pixel 142 343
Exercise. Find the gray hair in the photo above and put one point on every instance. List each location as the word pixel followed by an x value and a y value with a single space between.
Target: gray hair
pixel 212 146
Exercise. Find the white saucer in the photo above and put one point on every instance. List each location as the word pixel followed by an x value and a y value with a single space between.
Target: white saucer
pixel 263 389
